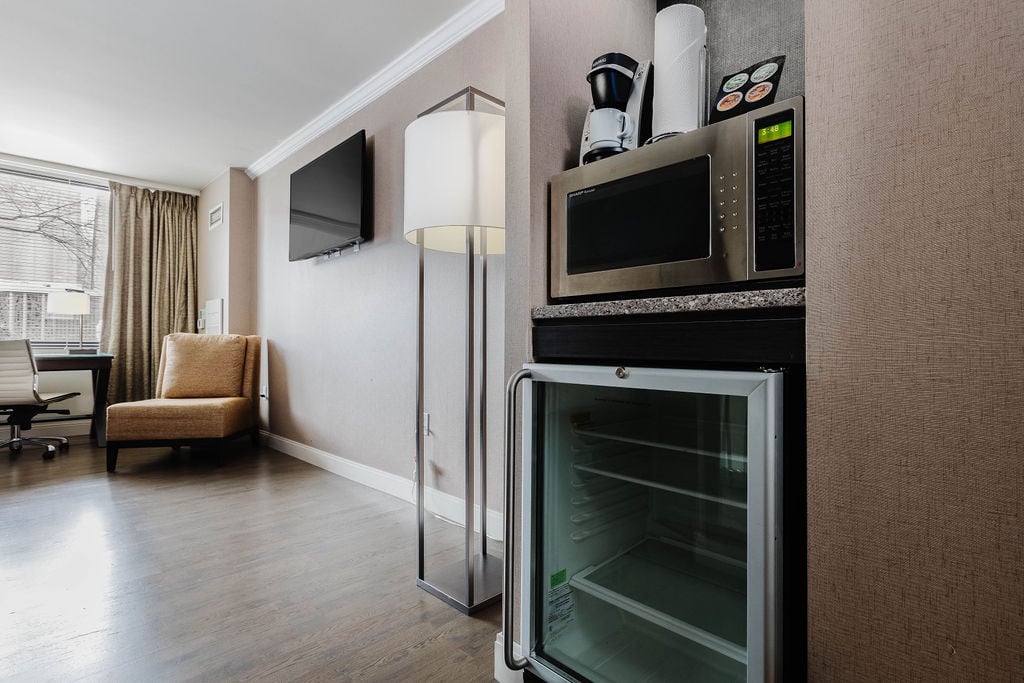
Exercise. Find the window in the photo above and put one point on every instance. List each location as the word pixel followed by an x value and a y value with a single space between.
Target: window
pixel 53 237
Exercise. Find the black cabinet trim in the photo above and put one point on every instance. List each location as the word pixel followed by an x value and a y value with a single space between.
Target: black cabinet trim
pixel 674 342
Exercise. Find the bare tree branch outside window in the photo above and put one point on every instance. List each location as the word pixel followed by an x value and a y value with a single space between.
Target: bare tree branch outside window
pixel 52 236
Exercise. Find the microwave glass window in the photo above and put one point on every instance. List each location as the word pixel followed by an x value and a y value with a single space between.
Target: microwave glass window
pixel 660 216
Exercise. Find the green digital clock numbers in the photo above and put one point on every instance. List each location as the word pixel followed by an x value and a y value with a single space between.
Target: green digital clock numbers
pixel 776 131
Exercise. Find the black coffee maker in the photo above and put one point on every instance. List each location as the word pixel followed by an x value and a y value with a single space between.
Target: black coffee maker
pixel 620 117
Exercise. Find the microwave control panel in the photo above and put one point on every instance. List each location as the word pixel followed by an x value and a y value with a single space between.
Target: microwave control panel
pixel 729 194
pixel 774 192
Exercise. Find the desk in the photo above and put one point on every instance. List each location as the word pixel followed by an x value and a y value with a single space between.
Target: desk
pixel 99 364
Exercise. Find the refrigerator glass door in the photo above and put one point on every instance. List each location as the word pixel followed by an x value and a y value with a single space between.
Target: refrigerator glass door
pixel 651 524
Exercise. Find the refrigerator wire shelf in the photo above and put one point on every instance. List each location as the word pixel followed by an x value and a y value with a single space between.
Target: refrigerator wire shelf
pixel 637 467
pixel 692 593
pixel 670 434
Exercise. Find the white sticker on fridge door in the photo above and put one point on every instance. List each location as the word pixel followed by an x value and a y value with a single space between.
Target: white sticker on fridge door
pixel 561 608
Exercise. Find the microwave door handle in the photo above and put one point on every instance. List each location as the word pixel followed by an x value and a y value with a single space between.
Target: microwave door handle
pixel 511 661
pixel 704 98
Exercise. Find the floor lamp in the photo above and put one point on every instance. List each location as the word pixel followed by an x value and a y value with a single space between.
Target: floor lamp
pixel 455 202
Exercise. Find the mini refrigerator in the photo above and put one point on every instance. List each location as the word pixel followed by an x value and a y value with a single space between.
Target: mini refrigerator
pixel 651 524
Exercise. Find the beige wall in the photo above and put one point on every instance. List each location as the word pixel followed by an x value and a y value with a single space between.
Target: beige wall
pixel 341 333
pixel 915 199
pixel 551 47
pixel 212 264
pixel 227 254
pixel 240 305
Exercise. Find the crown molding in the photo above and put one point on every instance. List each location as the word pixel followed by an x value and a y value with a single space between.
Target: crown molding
pixel 412 60
pixel 86 175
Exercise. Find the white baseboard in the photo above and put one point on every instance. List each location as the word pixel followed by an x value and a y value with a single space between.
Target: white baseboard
pixel 502 673
pixel 391 484
pixel 55 428
pixel 453 509
pixel 444 505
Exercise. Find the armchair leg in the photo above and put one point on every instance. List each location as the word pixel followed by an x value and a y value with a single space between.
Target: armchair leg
pixel 111 457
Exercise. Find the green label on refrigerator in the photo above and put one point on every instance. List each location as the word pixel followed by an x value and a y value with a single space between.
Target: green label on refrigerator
pixel 557 578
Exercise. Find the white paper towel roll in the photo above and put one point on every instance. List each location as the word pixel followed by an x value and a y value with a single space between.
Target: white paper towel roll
pixel 680 36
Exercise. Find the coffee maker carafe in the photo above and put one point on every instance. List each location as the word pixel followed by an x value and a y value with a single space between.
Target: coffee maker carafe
pixel 620 117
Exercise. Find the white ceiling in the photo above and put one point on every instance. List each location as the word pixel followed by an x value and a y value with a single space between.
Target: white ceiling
pixel 176 92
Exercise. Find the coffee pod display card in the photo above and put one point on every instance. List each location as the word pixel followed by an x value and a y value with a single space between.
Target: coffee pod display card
pixel 754 87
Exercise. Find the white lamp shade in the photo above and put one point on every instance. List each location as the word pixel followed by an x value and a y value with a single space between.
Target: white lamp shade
pixel 454 178
pixel 67 303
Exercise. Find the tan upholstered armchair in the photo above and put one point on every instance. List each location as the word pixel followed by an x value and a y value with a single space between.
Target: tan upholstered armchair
pixel 207 393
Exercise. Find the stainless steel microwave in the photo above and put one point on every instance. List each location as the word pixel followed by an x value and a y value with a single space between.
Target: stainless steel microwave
pixel 720 204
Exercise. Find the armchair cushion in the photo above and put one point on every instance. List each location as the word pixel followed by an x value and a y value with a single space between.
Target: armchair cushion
pixel 161 419
pixel 203 366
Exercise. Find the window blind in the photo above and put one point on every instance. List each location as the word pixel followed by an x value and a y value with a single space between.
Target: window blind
pixel 53 236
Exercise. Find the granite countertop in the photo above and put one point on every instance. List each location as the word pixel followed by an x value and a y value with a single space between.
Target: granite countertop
pixel 724 301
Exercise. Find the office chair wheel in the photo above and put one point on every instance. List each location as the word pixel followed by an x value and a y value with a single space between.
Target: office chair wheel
pixel 64 447
pixel 15 448
pixel 49 453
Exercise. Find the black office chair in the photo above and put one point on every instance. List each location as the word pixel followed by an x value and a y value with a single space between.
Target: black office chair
pixel 20 399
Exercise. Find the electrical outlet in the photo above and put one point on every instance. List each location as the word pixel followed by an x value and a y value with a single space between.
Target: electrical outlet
pixel 265 392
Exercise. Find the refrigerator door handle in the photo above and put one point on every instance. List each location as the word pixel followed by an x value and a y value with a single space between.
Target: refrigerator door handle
pixel 511 661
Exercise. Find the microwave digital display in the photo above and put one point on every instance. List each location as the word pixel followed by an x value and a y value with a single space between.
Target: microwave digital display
pixel 600 222
pixel 776 131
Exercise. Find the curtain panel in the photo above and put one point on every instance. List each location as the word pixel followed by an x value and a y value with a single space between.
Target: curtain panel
pixel 150 288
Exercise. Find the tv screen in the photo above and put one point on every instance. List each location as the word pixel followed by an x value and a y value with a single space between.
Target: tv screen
pixel 330 201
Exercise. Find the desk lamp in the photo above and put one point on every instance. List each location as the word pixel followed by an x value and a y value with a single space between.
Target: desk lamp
pixel 71 302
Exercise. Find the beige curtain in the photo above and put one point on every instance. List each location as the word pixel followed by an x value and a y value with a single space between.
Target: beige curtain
pixel 150 288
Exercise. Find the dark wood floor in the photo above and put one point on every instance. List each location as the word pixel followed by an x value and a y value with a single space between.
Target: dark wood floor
pixel 177 569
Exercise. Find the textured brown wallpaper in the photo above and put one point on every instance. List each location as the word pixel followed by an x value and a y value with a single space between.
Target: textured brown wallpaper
pixel 915 238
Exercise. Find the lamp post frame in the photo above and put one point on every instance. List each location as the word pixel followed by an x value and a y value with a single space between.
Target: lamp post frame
pixel 475 582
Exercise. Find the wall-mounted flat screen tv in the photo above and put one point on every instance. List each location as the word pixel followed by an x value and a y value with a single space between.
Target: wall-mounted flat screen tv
pixel 331 201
